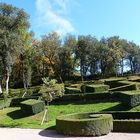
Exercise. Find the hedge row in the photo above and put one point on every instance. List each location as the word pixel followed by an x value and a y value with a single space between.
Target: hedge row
pixel 83 97
pixel 125 121
pixel 94 88
pixel 130 98
pixel 72 90
pixel 84 124
pixel 32 106
pixel 17 101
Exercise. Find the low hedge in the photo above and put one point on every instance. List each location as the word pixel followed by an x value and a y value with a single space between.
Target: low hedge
pixel 130 98
pixel 94 88
pixel 113 83
pixel 15 102
pixel 32 106
pixel 71 90
pixel 125 121
pixel 83 97
pixel 84 124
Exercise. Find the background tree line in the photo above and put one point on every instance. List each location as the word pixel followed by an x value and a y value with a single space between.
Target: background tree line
pixel 24 60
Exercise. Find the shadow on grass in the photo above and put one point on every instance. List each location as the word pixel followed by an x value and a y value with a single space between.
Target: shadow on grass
pixel 119 107
pixel 17 114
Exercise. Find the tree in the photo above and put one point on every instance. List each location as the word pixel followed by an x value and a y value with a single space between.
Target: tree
pixel 12 21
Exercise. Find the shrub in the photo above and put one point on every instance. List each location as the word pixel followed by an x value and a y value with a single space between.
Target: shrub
pixel 32 106
pixel 131 98
pixel 125 121
pixel 84 124
pixel 71 90
pixel 94 88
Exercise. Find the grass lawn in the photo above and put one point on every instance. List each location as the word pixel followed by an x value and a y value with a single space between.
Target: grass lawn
pixel 13 117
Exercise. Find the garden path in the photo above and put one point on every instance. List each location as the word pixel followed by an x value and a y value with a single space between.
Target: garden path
pixel 38 134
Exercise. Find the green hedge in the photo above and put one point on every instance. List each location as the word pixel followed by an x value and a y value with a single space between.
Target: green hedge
pixel 94 88
pixel 83 97
pixel 130 98
pixel 84 124
pixel 125 121
pixel 32 106
pixel 71 90
pixel 113 83
pixel 15 102
pixel 5 103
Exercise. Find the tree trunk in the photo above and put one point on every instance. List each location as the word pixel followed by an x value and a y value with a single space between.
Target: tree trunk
pixel 7 83
pixel 0 88
pixel 25 85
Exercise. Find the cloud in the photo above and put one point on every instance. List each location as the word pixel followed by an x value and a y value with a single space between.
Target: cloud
pixel 52 14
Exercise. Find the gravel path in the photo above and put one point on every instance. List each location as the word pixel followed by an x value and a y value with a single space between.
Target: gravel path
pixel 38 134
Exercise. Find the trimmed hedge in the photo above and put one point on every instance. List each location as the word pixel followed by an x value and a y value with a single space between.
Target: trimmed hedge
pixel 83 97
pixel 32 106
pixel 130 98
pixel 84 124
pixel 113 83
pixel 71 90
pixel 15 102
pixel 125 121
pixel 94 88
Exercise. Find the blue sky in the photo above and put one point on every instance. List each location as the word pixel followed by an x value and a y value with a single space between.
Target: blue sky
pixel 82 17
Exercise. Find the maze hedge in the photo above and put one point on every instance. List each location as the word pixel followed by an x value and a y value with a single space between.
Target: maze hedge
pixel 94 88
pixel 32 106
pixel 130 98
pixel 71 90
pixel 84 124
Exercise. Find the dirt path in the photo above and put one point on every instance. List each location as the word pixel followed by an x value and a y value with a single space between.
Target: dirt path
pixel 38 134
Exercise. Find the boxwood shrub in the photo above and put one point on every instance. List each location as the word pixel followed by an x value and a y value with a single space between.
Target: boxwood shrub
pixel 72 90
pixel 130 98
pixel 84 124
pixel 32 106
pixel 94 88
pixel 125 121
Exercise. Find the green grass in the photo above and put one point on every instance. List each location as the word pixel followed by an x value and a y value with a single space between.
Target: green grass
pixel 13 117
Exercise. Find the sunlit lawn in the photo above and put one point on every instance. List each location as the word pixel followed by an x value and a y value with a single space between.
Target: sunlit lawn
pixel 13 117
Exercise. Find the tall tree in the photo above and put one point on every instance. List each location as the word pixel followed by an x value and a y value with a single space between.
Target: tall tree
pixel 12 21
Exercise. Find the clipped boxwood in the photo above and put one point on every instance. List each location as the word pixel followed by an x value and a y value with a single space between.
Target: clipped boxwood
pixel 84 124
pixel 71 90
pixel 32 106
pixel 130 98
pixel 94 88
pixel 125 121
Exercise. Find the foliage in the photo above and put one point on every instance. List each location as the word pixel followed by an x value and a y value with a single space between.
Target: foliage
pixel 50 89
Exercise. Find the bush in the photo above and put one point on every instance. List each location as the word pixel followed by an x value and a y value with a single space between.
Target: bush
pixel 94 88
pixel 71 90
pixel 83 97
pixel 113 82
pixel 15 102
pixel 125 121
pixel 130 98
pixel 32 106
pixel 84 124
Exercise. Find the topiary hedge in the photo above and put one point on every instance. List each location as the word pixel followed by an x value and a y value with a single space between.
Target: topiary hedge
pixel 84 124
pixel 125 121
pixel 130 98
pixel 32 106
pixel 94 88
pixel 72 90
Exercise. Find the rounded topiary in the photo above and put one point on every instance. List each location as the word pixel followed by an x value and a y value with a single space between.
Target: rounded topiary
pixel 84 124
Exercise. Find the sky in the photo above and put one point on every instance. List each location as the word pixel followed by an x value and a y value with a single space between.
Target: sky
pixel 83 17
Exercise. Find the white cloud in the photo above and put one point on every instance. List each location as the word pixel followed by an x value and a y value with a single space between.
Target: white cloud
pixel 51 15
